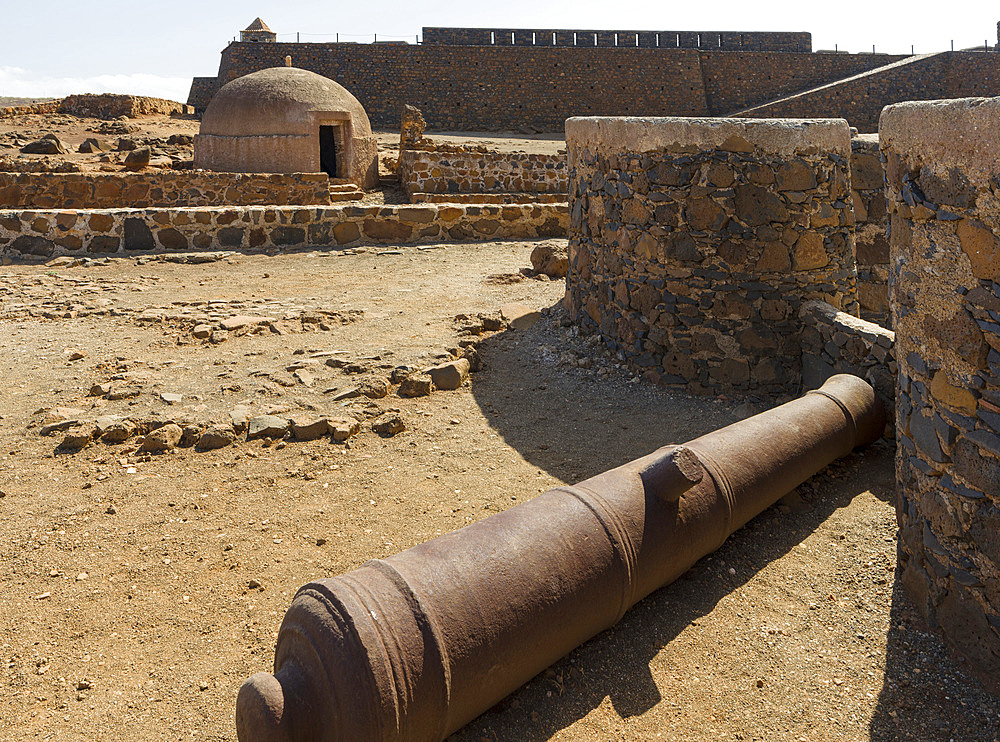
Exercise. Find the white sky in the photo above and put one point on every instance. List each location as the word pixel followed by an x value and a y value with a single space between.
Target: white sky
pixel 60 47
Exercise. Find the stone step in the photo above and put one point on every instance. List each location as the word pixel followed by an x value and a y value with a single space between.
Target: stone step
pixel 339 196
pixel 342 187
pixel 488 198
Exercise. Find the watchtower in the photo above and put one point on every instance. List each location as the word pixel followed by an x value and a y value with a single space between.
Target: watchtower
pixel 258 31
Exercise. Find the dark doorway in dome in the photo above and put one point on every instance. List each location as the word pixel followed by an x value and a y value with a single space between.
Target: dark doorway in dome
pixel 328 150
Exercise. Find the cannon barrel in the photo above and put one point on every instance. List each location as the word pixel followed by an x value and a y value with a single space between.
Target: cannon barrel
pixel 414 646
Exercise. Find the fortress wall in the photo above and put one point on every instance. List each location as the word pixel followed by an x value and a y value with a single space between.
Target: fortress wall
pixel 942 165
pixel 737 81
pixel 871 220
pixel 162 189
pixel 794 41
pixel 495 87
pixel 202 90
pixel 467 170
pixel 972 74
pixel 44 234
pixel 943 75
pixel 694 243
pixel 491 88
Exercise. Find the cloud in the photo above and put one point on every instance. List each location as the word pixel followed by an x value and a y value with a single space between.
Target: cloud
pixel 21 83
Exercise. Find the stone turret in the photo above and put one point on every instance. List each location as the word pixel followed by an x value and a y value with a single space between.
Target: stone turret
pixel 258 31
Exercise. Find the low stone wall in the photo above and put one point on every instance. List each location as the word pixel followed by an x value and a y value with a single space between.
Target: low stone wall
pixel 160 189
pixel 102 105
pixel 693 243
pixel 48 233
pixel 33 108
pixel 872 244
pixel 834 342
pixel 443 169
pixel 110 106
pixel 489 198
pixel 942 168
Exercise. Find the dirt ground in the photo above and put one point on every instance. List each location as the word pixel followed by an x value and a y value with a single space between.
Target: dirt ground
pixel 137 591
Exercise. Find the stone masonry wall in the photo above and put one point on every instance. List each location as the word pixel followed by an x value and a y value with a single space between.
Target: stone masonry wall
pixel 861 99
pixel 102 105
pixel 734 81
pixel 479 170
pixel 694 242
pixel 201 92
pixel 110 106
pixel 835 342
pixel 485 88
pixel 795 41
pixel 943 173
pixel 34 108
pixel 871 220
pixel 36 233
pixel 162 189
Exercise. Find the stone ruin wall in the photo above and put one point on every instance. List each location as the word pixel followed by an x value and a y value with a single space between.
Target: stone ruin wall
pixel 943 172
pixel 31 109
pixel 163 189
pixel 44 234
pixel 439 169
pixel 103 105
pixel 835 342
pixel 871 220
pixel 694 243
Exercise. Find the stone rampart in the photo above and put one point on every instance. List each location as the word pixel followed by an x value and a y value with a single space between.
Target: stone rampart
pixel 942 167
pixel 860 99
pixel 486 88
pixel 36 233
pixel 782 41
pixel 694 242
pixel 872 245
pixel 465 170
pixel 160 189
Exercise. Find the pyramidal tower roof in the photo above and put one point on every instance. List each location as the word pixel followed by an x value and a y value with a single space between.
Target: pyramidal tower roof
pixel 257 25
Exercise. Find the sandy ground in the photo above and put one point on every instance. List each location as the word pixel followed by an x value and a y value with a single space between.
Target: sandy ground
pixel 137 592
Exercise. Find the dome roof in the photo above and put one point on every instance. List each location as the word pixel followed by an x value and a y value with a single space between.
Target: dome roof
pixel 278 100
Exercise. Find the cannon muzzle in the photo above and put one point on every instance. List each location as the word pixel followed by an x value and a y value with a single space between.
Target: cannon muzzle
pixel 414 646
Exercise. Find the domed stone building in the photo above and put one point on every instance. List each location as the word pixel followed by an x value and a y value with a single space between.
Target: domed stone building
pixel 287 120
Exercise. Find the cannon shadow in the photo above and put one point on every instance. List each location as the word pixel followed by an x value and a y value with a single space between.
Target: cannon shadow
pixel 569 421
pixel 578 426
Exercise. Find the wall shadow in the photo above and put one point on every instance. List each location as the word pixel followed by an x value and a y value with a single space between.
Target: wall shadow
pixel 926 692
pixel 571 422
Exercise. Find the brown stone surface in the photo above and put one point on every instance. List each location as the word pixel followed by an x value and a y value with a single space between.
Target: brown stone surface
pixel 699 284
pixel 274 227
pixel 160 189
pixel 941 183
pixel 982 248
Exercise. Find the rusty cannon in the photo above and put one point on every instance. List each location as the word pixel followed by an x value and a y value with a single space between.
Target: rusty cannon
pixel 414 646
